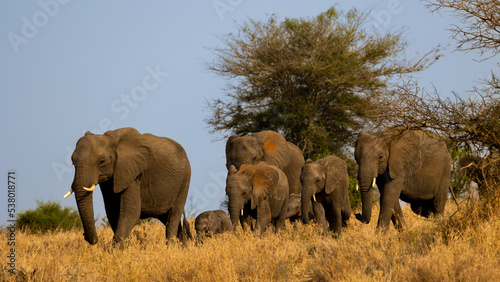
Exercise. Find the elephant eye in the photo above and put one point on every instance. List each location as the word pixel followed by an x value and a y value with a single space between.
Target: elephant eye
pixel 101 162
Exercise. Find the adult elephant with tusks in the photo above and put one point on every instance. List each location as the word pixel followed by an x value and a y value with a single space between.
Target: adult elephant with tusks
pixel 270 147
pixel 411 165
pixel 140 176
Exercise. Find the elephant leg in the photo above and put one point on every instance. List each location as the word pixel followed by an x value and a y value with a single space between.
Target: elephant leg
pixel 319 215
pixel 440 201
pixel 130 211
pixel 172 223
pixel 397 217
pixel 263 216
pixel 111 205
pixel 173 217
pixel 416 207
pixel 389 196
pixel 334 217
pixel 280 221
pixel 346 212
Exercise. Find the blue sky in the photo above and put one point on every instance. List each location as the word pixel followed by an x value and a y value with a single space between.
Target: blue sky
pixel 67 67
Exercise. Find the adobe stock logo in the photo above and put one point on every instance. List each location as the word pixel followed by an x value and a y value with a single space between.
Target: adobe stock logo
pixel 30 27
pixel 224 6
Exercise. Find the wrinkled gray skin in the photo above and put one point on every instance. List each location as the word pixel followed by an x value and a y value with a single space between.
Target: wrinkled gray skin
pixel 261 191
pixel 414 166
pixel 140 176
pixel 212 222
pixel 327 179
pixel 294 206
pixel 268 146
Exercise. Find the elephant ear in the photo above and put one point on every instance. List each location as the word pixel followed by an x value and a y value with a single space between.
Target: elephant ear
pixel 336 174
pixel 265 178
pixel 362 133
pixel 402 151
pixel 231 170
pixel 132 156
pixel 276 151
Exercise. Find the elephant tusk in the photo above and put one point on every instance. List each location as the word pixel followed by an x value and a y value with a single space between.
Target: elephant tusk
pixel 374 181
pixel 241 212
pixel 69 193
pixel 90 189
pixel 314 198
pixel 357 186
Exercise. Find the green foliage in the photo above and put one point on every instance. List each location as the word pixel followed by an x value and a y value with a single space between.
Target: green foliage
pixel 49 216
pixel 460 183
pixel 315 80
pixel 354 195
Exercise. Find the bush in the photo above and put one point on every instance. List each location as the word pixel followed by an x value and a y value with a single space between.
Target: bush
pixel 49 216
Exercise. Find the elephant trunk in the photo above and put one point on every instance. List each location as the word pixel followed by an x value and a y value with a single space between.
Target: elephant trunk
pixel 365 180
pixel 305 202
pixel 367 202
pixel 235 209
pixel 85 208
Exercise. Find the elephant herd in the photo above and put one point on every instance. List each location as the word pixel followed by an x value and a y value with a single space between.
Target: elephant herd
pixel 143 175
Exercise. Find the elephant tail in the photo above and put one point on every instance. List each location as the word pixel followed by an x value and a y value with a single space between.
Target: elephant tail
pixel 184 232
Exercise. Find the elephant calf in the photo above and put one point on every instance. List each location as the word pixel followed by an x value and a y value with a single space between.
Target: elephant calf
pixel 259 191
pixel 212 222
pixel 293 210
pixel 325 185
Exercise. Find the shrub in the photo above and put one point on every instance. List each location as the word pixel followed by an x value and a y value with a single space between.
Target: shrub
pixel 49 216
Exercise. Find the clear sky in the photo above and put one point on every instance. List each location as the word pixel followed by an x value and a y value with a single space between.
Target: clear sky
pixel 71 66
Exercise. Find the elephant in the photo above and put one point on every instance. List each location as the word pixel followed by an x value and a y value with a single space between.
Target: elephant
pixel 259 191
pixel 293 209
pixel 140 176
pixel 268 146
pixel 212 222
pixel 483 171
pixel 411 165
pixel 325 193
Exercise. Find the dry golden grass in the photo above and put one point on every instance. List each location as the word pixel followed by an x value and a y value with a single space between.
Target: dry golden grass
pixel 428 250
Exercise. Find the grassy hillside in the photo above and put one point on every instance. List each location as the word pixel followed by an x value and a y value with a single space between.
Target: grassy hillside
pixel 464 249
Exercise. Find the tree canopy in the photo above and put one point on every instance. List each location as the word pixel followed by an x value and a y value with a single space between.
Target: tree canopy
pixel 314 80
pixel 470 122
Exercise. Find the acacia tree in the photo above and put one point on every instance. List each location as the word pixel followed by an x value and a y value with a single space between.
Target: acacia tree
pixel 470 123
pixel 480 23
pixel 315 80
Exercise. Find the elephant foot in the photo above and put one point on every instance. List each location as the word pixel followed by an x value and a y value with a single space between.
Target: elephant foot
pixel 360 218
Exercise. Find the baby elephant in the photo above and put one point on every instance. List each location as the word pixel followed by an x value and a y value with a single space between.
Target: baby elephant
pixel 259 191
pixel 325 185
pixel 212 222
pixel 293 210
